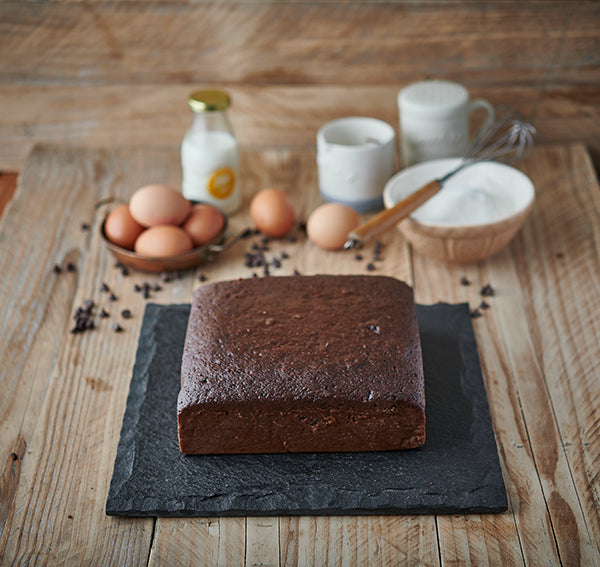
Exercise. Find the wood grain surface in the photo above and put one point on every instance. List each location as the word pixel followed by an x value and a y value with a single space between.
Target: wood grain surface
pixel 62 395
pixel 119 73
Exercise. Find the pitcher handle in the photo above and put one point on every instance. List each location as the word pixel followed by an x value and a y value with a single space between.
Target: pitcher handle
pixel 489 119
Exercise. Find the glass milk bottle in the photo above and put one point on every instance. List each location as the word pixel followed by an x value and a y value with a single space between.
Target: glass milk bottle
pixel 210 154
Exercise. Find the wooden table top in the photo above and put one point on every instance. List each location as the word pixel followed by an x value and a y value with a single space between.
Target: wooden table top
pixel 62 395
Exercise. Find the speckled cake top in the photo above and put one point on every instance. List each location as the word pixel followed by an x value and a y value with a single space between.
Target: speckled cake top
pixel 311 338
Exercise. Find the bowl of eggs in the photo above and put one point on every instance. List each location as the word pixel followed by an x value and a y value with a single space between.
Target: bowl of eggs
pixel 159 230
pixel 476 213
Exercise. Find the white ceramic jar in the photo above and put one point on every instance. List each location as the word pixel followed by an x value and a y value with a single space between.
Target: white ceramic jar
pixel 355 158
pixel 434 120
pixel 210 153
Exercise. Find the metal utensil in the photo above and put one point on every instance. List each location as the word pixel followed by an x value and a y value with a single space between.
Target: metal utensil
pixel 508 139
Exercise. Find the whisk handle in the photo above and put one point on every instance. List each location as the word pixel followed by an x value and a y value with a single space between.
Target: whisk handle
pixel 390 217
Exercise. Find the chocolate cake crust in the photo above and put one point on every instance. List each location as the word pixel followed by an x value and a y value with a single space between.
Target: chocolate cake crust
pixel 302 363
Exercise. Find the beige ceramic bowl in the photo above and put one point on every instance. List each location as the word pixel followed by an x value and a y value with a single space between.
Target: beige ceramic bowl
pixel 476 214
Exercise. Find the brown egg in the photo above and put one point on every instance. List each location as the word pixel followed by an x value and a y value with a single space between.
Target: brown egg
pixel 163 241
pixel 328 225
pixel 157 204
pixel 272 212
pixel 204 223
pixel 121 228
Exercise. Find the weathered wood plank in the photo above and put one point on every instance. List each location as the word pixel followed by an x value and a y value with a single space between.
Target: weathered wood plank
pixel 273 116
pixel 533 404
pixel 63 395
pixel 249 43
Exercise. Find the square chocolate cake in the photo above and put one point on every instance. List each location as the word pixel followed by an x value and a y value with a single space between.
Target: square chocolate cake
pixel 302 364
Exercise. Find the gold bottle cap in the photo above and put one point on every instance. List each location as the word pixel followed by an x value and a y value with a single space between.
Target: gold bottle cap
pixel 207 101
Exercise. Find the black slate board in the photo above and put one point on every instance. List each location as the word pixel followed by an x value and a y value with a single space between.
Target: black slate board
pixel 456 471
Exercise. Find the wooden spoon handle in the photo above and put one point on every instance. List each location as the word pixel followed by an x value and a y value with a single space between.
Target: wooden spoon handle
pixel 390 217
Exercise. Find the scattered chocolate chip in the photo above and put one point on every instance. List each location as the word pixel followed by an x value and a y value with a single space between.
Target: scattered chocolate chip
pixel 484 305
pixel 112 297
pixel 137 288
pixel 165 277
pixel 104 287
pixel 84 317
pixel 71 267
pixel 14 456
pixel 57 269
pixel 85 226
pixel 126 314
pixel 358 257
pixel 370 266
pixel 116 327
pixel 246 233
pixel 124 271
pixel 465 281
pixel 488 291
pixel 103 314
pixel 284 255
pixel 155 286
pixel 202 278
pixel 276 263
pixel 146 290
pixel 475 313
pixel 296 273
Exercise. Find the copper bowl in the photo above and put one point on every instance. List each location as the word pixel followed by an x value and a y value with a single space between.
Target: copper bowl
pixel 180 262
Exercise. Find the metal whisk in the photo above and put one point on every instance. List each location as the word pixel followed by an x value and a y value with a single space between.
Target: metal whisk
pixel 507 140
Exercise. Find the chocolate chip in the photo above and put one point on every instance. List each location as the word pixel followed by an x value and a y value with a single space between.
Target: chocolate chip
pixel 202 278
pixel 57 269
pixel 104 287
pixel 488 291
pixel 484 305
pixel 88 304
pixel 71 267
pixel 464 281
pixel 155 286
pixel 137 288
pixel 358 257
pixel 85 226
pixel 126 314
pixel 284 255
pixel 370 266
pixel 14 456
pixel 103 314
pixel 475 313
pixel 124 271
pixel 276 263
pixel 112 297
pixel 116 327
pixel 165 277
pixel 296 273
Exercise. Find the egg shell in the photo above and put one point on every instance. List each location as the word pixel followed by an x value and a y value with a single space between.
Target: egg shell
pixel 158 204
pixel 121 228
pixel 204 223
pixel 272 212
pixel 163 241
pixel 328 225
